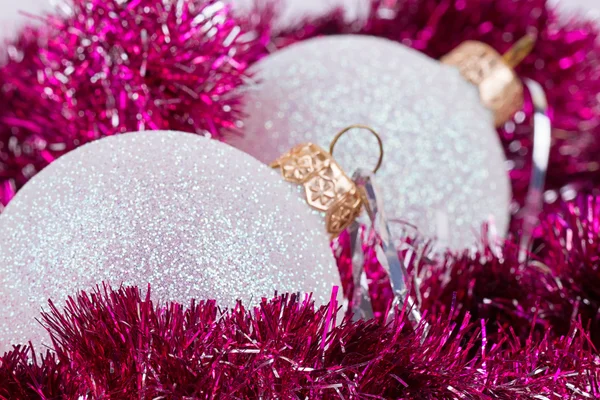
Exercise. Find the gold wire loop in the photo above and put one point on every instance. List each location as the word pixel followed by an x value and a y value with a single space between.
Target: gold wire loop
pixel 358 126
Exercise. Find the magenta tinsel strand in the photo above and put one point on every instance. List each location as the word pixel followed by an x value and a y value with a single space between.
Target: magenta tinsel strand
pixel 565 60
pixel 111 67
pixel 116 344
pixel 555 287
pixel 569 246
pixel 545 294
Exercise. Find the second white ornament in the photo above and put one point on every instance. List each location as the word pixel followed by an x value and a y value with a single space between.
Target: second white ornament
pixel 444 170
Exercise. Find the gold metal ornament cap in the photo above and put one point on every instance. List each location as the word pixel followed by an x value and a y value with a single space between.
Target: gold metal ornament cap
pixel 500 88
pixel 328 189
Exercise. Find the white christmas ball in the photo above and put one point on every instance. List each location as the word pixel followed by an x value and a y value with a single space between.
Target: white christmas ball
pixel 16 14
pixel 193 217
pixel 444 168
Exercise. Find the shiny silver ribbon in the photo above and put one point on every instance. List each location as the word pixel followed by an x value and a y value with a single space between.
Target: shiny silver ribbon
pixel 387 255
pixel 542 140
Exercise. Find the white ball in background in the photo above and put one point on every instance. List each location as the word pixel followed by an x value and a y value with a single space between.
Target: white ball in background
pixel 193 217
pixel 588 8
pixel 444 168
pixel 13 14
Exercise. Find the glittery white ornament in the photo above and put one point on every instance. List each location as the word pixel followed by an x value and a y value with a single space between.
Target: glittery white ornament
pixel 444 168
pixel 193 217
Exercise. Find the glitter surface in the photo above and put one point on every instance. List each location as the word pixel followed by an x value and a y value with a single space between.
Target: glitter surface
pixel 193 217
pixel 444 168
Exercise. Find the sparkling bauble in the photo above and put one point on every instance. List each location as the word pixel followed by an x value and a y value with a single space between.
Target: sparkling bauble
pixel 444 168
pixel 192 217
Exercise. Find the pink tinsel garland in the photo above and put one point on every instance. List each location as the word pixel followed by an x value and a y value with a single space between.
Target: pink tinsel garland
pixel 112 67
pixel 117 344
pixel 557 285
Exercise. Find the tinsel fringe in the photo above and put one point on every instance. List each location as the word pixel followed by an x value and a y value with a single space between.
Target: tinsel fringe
pixel 556 285
pixel 112 66
pixel 117 344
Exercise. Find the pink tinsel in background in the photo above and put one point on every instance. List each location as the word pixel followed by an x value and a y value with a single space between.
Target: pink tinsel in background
pixel 111 67
pixel 555 286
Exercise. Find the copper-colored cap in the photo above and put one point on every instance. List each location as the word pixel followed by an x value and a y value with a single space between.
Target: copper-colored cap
pixel 499 86
pixel 327 188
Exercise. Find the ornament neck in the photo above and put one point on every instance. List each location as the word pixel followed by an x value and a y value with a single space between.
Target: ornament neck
pixel 500 89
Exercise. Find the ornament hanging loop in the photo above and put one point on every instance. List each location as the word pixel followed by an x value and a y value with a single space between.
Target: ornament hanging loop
pixel 365 127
